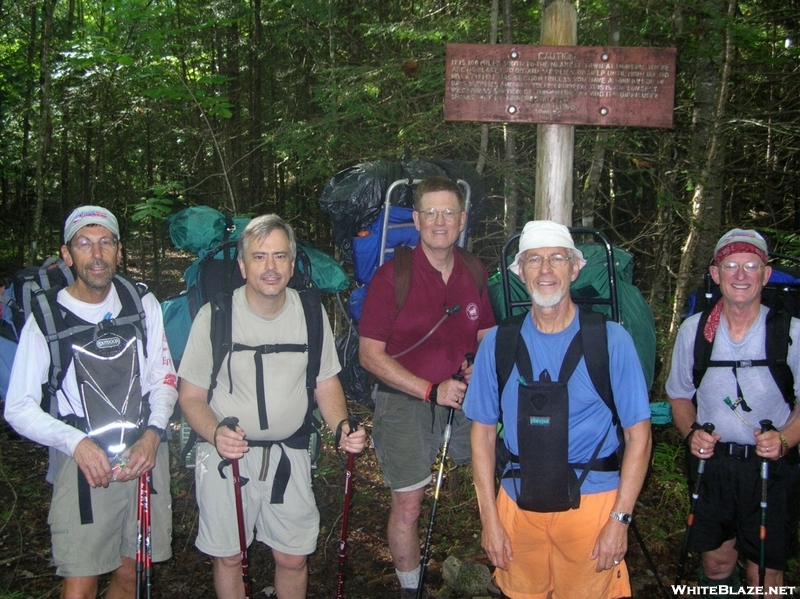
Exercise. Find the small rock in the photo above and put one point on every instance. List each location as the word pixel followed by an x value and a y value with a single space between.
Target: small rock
pixel 465 577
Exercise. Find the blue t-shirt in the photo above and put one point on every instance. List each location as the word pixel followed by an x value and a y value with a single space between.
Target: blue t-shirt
pixel 589 418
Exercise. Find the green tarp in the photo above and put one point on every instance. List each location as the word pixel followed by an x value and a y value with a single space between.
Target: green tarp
pixel 592 282
pixel 200 228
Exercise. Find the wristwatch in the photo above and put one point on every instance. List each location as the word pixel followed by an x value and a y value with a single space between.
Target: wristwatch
pixel 623 517
pixel 162 434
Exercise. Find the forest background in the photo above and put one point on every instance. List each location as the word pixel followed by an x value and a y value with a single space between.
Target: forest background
pixel 149 106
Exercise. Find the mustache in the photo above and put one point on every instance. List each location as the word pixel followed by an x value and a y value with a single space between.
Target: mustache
pixel 97 262
pixel 270 274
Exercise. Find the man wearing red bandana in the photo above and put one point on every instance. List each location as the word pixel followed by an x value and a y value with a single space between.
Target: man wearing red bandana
pixel 736 392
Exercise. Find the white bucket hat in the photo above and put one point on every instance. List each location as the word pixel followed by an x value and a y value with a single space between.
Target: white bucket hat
pixel 545 234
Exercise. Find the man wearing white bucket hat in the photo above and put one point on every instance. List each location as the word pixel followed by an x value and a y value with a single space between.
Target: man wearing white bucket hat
pixel 558 526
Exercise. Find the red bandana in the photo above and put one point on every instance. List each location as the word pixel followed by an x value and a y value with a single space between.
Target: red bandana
pixel 739 247
pixel 713 321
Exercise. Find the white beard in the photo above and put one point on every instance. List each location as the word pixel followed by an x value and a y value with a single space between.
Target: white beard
pixel 546 300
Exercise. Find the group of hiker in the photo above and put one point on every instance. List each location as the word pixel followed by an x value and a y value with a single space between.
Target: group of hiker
pixel 565 386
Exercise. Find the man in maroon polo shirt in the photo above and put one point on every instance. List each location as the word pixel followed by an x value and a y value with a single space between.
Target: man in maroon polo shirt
pixel 414 354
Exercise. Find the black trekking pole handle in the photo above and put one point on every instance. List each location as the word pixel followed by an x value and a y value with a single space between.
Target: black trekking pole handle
pixel 766 425
pixel 708 427
pixel 448 430
pixel 238 482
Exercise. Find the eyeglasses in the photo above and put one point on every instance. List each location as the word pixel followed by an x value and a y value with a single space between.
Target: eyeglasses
pixel 82 244
pixel 555 261
pixel 431 214
pixel 733 267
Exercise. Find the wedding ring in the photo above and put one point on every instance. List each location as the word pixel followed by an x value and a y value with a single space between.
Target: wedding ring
pixel 616 562
pixel 702 451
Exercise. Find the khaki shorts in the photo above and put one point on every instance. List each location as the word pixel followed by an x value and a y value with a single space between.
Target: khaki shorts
pixel 97 548
pixel 291 527
pixel 551 552
pixel 406 447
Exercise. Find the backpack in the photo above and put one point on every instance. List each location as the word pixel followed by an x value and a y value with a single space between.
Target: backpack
pixel 15 306
pixel 34 291
pixel 210 273
pixel 776 341
pixel 593 335
pixel 59 326
pixel 780 295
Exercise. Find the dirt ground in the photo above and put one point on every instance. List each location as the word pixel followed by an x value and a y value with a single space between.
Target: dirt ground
pixel 26 571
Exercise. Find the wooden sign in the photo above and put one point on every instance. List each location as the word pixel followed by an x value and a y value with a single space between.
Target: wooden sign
pixel 566 85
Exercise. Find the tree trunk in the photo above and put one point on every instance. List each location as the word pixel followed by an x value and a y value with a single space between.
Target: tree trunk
pixel 555 144
pixel 44 129
pixel 586 206
pixel 707 147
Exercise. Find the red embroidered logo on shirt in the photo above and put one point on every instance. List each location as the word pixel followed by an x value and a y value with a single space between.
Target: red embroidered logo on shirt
pixel 171 380
pixel 472 312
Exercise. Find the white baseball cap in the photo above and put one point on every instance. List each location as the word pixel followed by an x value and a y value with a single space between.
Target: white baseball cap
pixel 89 215
pixel 545 234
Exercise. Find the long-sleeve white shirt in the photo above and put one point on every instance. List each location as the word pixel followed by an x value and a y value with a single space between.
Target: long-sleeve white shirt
pixel 23 409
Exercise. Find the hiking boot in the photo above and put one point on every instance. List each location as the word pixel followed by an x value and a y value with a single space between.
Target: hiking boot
pixel 408 593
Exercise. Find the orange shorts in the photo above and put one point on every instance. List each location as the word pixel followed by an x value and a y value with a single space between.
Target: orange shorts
pixel 552 551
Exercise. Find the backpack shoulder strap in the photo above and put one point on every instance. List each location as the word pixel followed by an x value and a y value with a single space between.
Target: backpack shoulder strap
pixel 595 336
pixel 402 275
pixel 130 295
pixel 509 333
pixel 474 266
pixel 312 310
pixel 702 350
pixel 221 335
pixel 779 322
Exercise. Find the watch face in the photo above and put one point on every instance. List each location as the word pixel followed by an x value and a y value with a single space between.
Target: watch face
pixel 622 517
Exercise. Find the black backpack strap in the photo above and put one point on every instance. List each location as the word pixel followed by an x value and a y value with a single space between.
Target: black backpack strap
pixel 594 335
pixel 509 332
pixel 702 352
pixel 779 322
pixel 312 310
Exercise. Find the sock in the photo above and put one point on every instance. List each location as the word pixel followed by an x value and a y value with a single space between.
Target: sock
pixel 409 580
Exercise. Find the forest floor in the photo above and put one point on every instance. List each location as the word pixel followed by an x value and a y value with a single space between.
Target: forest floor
pixel 26 570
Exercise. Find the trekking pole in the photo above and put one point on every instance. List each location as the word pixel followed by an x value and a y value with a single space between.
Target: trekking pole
pixel 140 539
pixel 701 466
pixel 346 514
pixel 238 483
pixel 649 559
pixel 148 548
pixel 766 425
pixel 448 430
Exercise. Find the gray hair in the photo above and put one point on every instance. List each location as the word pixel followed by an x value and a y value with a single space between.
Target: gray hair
pixel 263 225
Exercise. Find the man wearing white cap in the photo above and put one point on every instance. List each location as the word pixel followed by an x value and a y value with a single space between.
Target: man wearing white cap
pixel 725 372
pixel 558 526
pixel 111 386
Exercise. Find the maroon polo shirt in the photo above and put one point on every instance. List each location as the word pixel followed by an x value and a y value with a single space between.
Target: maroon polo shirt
pixel 440 356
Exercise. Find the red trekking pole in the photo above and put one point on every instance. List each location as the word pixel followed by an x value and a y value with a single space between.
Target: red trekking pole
pixel 348 481
pixel 238 483
pixel 144 550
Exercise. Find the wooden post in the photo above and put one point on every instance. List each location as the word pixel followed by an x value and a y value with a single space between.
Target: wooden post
pixel 555 144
